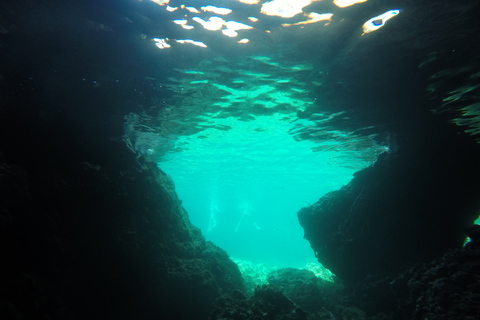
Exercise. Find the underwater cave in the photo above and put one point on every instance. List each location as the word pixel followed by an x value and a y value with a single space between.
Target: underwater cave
pixel 240 159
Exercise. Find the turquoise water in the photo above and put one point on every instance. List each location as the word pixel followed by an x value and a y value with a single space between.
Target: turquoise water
pixel 243 188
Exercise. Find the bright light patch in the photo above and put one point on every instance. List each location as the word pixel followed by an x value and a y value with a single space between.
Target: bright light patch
pixel 217 10
pixel 234 25
pixel 180 21
pixel 467 240
pixel 285 8
pixel 217 23
pixel 183 23
pixel 315 17
pixel 161 43
pixel 280 8
pixel 312 18
pixel 347 3
pixel 191 9
pixel 229 33
pixel 196 43
pixel 212 24
pixel 377 22
pixel 161 2
pixel 249 1
pixel 477 221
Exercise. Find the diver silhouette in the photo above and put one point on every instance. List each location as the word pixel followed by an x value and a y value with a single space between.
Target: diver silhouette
pixel 246 216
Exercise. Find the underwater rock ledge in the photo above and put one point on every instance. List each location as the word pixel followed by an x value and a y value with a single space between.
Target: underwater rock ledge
pixel 411 206
pixel 88 231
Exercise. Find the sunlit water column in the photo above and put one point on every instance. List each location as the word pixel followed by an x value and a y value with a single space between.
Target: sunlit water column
pixel 243 188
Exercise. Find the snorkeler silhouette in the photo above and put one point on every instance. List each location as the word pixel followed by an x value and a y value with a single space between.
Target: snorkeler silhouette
pixel 212 222
pixel 246 216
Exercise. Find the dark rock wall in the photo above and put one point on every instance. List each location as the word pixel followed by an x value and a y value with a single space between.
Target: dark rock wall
pixel 448 288
pixel 412 205
pixel 444 288
pixel 90 231
pixel 389 233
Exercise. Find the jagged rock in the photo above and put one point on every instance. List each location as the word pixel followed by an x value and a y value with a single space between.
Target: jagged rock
pixel 412 205
pixel 91 231
pixel 267 303
pixel 448 288
pixel 300 286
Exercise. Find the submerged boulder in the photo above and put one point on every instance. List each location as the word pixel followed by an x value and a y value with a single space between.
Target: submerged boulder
pixel 300 286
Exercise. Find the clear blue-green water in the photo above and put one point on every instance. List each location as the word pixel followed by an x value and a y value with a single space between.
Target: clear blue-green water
pixel 243 188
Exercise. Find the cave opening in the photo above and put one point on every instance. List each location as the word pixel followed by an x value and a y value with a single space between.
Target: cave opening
pixel 354 124
pixel 243 186
pixel 251 132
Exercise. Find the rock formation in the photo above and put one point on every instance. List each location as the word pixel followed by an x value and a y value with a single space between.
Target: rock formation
pixel 90 231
